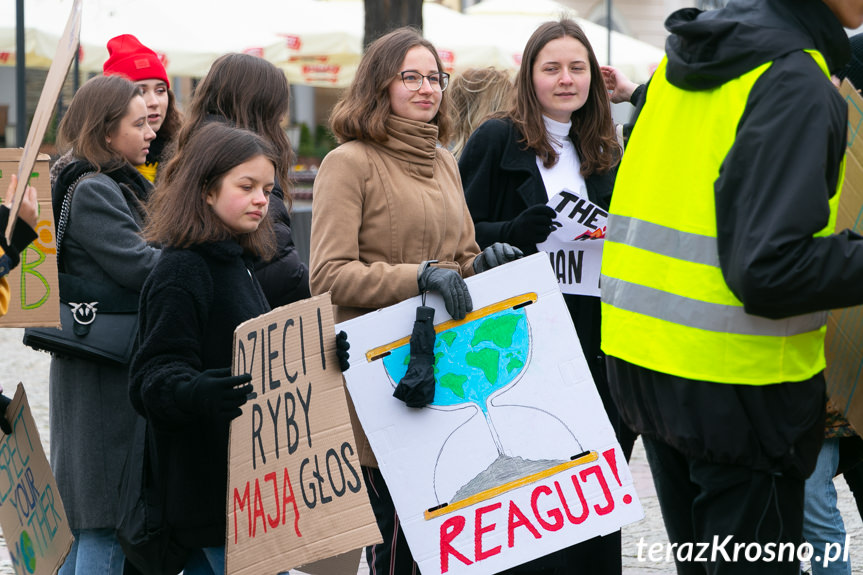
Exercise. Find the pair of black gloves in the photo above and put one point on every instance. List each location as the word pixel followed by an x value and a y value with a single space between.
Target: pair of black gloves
pixel 450 285
pixel 216 394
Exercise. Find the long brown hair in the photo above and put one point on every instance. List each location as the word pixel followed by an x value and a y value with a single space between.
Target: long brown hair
pixel 94 113
pixel 250 93
pixel 362 111
pixel 178 213
pixel 592 130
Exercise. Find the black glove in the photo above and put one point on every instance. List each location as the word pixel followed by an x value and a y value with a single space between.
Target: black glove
pixel 530 227
pixel 5 426
pixel 494 255
pixel 449 284
pixel 215 393
pixel 342 347
pixel 21 237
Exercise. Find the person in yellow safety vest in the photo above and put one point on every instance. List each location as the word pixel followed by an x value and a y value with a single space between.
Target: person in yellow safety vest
pixel 718 268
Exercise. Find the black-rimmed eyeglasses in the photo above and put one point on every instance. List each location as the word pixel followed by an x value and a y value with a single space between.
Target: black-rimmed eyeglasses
pixel 413 81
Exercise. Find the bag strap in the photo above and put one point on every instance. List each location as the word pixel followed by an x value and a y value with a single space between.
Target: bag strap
pixel 64 215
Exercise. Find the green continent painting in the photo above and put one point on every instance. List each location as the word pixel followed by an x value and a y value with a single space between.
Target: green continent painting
pixel 473 360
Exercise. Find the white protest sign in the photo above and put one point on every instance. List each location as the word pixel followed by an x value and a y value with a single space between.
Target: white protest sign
pixel 31 512
pixel 295 489
pixel 575 246
pixel 515 458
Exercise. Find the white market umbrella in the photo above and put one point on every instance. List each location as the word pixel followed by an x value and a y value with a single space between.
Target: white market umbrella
pixel 509 23
pixel 545 8
pixel 188 36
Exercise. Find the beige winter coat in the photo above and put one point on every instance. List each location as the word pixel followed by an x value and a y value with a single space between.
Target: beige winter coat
pixel 379 211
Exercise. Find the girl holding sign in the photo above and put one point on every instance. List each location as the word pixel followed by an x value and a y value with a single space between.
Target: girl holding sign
pixel 210 216
pixel 389 169
pixel 248 92
pixel 558 134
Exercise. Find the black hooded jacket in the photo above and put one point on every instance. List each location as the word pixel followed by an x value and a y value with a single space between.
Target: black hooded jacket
pixel 771 198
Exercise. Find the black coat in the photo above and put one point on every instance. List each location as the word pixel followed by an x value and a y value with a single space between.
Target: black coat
pixel 190 305
pixel 501 179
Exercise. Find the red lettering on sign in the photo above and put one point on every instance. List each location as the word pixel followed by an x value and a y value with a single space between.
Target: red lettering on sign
pixel 554 514
pixel 517 518
pixel 244 503
pixel 274 522
pixel 479 529
pixel 288 497
pixel 597 471
pixel 585 510
pixel 259 509
pixel 255 508
pixel 449 530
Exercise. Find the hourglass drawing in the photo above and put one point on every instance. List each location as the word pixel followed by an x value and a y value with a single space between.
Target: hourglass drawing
pixel 477 361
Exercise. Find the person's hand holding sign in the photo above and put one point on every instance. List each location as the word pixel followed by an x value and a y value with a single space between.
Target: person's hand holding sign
pixel 28 214
pixel 29 210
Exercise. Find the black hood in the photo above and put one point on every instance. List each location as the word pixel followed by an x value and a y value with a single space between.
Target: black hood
pixel 706 49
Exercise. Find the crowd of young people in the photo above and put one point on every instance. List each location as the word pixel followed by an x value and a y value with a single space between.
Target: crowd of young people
pixel 395 214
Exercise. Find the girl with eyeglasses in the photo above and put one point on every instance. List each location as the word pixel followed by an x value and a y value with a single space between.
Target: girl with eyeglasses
pixel 387 203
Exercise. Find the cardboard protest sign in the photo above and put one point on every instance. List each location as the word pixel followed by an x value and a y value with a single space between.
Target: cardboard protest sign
pixel 844 344
pixel 45 108
pixel 35 299
pixel 575 246
pixel 515 458
pixel 295 490
pixel 31 513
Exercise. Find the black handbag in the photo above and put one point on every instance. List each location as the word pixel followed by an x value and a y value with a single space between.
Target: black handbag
pixel 99 320
pixel 141 529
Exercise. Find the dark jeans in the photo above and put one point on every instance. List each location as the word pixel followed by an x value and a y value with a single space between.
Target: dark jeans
pixel 851 467
pixel 703 501
pixel 393 556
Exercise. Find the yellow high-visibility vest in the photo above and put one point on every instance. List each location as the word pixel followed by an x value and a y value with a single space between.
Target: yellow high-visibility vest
pixel 665 303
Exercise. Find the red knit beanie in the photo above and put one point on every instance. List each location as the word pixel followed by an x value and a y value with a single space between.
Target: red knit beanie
pixel 129 58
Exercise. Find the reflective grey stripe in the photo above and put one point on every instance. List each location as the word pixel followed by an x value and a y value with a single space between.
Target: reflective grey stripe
pixel 702 315
pixel 665 241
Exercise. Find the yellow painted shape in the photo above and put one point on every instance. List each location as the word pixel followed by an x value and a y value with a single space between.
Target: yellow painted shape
pixel 381 351
pixel 495 491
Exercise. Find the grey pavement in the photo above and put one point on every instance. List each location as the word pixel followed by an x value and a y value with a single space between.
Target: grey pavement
pixel 21 363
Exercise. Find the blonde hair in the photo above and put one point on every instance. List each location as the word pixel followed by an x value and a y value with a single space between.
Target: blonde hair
pixel 474 96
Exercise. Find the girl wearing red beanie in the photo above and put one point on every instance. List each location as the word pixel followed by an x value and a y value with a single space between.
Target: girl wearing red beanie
pixel 129 58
